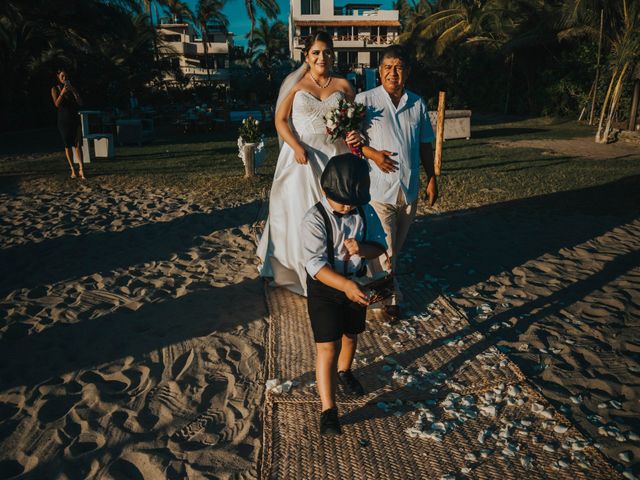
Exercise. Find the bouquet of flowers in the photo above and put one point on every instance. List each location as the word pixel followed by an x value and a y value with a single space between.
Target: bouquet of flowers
pixel 249 132
pixel 347 117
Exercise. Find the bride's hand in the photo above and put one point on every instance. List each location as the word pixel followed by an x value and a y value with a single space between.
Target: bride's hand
pixel 301 155
pixel 354 138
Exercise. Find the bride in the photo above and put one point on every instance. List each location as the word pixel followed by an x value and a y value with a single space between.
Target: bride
pixel 306 95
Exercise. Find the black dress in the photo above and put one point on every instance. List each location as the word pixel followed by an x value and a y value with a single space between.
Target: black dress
pixel 69 121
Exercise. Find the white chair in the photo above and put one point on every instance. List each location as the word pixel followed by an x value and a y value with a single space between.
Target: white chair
pixel 102 142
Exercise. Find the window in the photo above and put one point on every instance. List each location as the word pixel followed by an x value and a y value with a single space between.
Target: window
pixel 310 7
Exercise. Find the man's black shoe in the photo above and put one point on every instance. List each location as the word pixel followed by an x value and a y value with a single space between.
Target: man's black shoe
pixel 347 379
pixel 329 423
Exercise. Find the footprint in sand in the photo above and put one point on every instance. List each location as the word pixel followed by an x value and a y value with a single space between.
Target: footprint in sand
pixel 55 408
pixel 9 410
pixel 132 466
pixel 83 444
pixel 18 466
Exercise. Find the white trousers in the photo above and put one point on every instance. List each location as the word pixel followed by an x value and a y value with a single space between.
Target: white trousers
pixel 396 220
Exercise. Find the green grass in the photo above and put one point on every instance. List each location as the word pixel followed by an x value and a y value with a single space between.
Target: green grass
pixel 475 172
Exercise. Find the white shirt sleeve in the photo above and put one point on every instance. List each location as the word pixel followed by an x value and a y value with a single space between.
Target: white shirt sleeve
pixel 314 243
pixel 426 131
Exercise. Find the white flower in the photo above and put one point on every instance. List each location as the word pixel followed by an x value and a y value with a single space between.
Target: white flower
pixel 350 112
pixel 331 125
pixel 256 122
pixel 244 121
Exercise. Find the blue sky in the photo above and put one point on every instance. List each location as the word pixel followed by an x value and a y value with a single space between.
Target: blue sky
pixel 239 21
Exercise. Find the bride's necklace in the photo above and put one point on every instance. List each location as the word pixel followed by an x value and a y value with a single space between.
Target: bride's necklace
pixel 315 80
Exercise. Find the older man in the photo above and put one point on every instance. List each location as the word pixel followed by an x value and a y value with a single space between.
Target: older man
pixel 399 140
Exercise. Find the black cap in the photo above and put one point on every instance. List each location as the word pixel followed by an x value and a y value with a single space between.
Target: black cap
pixel 346 180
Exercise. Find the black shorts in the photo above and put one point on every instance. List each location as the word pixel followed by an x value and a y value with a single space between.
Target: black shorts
pixel 332 314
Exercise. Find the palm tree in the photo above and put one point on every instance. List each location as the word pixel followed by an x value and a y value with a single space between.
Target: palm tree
pixel 412 13
pixel 269 7
pixel 177 9
pixel 270 44
pixel 464 22
pixel 208 10
pixel 625 51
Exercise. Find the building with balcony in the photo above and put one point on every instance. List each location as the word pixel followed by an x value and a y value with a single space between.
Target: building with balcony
pixel 188 51
pixel 360 31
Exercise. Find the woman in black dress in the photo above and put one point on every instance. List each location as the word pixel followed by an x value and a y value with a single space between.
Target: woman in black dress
pixel 67 100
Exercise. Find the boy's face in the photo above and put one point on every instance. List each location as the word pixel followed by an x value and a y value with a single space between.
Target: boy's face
pixel 340 207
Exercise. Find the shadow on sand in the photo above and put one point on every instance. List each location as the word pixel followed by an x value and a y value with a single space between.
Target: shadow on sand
pixel 68 257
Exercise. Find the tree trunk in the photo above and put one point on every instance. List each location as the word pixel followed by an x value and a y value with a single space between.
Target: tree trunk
pixel 614 102
pixel 506 102
pixel 205 46
pixel 605 104
pixel 634 105
pixel 595 91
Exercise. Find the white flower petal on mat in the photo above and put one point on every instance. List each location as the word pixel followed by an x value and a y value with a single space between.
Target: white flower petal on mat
pixel 483 435
pixel 633 436
pixel 546 413
pixel 560 428
pixel 448 476
pixel 272 383
pixel 602 405
pixel 526 461
pixel 549 448
pixel 628 474
pixel 576 399
pixel 615 404
pixel 514 390
pixel 471 457
pixel 508 453
pixel 626 456
pixel 563 463
pixel 286 386
pixel 537 408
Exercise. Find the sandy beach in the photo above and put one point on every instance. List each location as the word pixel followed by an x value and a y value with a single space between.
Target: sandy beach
pixel 132 343
pixel 132 336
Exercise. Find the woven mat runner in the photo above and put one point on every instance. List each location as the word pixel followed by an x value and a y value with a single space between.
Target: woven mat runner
pixel 442 402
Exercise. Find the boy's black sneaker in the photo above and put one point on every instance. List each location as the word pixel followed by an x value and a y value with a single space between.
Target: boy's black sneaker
pixel 329 423
pixel 353 385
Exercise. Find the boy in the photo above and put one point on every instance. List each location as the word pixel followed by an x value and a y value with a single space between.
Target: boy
pixel 339 233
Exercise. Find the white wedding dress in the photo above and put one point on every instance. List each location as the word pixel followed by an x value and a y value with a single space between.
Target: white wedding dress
pixel 295 189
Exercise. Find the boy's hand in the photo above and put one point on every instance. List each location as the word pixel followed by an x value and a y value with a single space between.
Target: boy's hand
pixel 382 159
pixel 354 293
pixel 352 247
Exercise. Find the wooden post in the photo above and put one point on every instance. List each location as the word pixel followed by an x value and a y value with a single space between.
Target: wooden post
pixel 437 161
pixel 249 151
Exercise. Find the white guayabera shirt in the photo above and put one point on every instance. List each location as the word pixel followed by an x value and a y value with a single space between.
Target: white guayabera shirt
pixel 397 129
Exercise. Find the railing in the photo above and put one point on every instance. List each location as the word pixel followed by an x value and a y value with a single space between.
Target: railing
pixel 370 40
